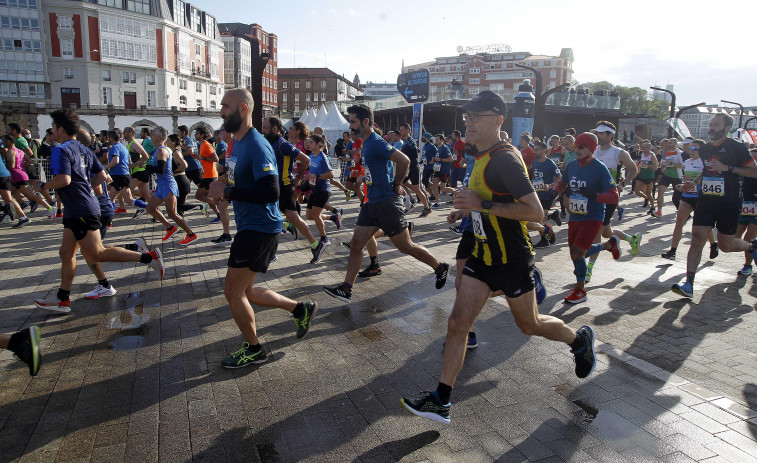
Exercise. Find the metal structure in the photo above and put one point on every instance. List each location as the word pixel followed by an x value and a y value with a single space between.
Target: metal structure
pixel 672 106
pixel 741 110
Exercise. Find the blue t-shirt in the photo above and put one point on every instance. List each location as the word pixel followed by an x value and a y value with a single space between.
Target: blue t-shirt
pixel 4 172
pixel 106 205
pixel 429 153
pixel 221 148
pixel 192 163
pixel 378 168
pixel 251 160
pixel 444 153
pixel 286 154
pixel 544 174
pixel 70 158
pixel 594 176
pixel 122 167
pixel 398 145
pixel 320 165
pixel 166 179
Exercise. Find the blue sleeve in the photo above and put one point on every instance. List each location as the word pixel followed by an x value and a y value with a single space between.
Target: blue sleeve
pixel 326 164
pixel 288 149
pixel 59 162
pixel 264 166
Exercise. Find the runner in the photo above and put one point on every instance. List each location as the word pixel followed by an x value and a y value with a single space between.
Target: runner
pixel 413 180
pixel 14 159
pixel 319 175
pixel 383 208
pixel 118 165
pixel 442 163
pixel 25 345
pixel 138 155
pixel 326 147
pixel 591 187
pixel 430 151
pixel 546 176
pixel 253 185
pixel 692 169
pixel 644 184
pixel 748 219
pixel 458 159
pixel 208 158
pixel 672 162
pixel 81 216
pixel 614 159
pixel 720 203
pixel 10 204
pixel 191 152
pixel 569 143
pixel 223 207
pixel 500 198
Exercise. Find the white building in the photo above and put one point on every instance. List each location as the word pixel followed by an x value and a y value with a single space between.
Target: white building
pixel 22 52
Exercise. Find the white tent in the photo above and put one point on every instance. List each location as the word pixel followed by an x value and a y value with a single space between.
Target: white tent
pixel 318 120
pixel 305 117
pixel 334 125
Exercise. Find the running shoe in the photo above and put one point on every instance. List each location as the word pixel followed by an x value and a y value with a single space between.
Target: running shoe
pixel 5 218
pixel 646 203
pixel 456 229
pixel 188 239
pixel 292 229
pixel 101 291
pixel 325 240
pixel 157 262
pixel 615 247
pixel 303 323
pixel 59 214
pixel 472 341
pixel 657 213
pixel 216 220
pixel 141 245
pixel 54 304
pixel 550 233
pixel 244 357
pixel 120 211
pixel 578 295
pixel 205 210
pixel 670 255
pixel 685 290
pixel 170 232
pixel 555 216
pixel 621 210
pixel 33 207
pixel 441 275
pixel 340 211
pixel 436 205
pixel 370 271
pixel 541 291
pixel 347 195
pixel 746 270
pixel 753 245
pixel 425 212
pixel 140 212
pixel 543 242
pixel 428 406
pixel 346 244
pixel 52 213
pixel 584 357
pixel 22 221
pixel 587 278
pixel 318 252
pixel 24 205
pixel 27 348
pixel 635 242
pixel 410 226
pixel 224 239
pixel 337 219
pixel 339 292
pixel 714 251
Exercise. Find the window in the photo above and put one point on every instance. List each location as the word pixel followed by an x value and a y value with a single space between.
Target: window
pixel 150 79
pixel 307 84
pixel 323 84
pixel 284 98
pixel 473 80
pixel 212 90
pixel 67 48
pixel 553 73
pixel 475 70
pixel 182 84
pixel 8 89
pixel 296 85
pixel 125 77
pixel 296 108
pixel 110 3
pixel 296 97
pixel 198 103
pixel 151 98
pixel 197 49
pixel 139 6
pixel 284 85
pixel 284 109
pixel 107 96
pixel 64 22
pixel 179 8
pixel 307 97
pixel 198 87
pixel 323 97
pixel 31 90
pixel 172 81
pixel 212 104
pixel 315 97
pixel 274 98
pixel 68 73
pixel 183 100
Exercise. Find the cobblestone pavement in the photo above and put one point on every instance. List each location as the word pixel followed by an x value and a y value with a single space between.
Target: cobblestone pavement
pixel 137 377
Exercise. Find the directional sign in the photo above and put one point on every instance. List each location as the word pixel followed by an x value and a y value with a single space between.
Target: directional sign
pixel 414 86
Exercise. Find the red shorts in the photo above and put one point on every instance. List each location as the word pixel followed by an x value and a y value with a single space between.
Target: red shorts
pixel 582 232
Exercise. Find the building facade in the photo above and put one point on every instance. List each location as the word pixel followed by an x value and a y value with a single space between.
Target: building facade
pixel 305 88
pixel 244 45
pixel 465 75
pixel 698 119
pixel 133 53
pixel 23 72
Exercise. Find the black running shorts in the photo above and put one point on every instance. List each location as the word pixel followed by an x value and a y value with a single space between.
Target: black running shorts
pixel 120 182
pixel 719 214
pixel 465 247
pixel 194 175
pixel 82 225
pixel 388 215
pixel 318 199
pixel 286 203
pixel 5 183
pixel 253 250
pixel 514 278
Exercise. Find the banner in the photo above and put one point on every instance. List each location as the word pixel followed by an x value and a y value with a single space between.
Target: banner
pixel 679 126
pixel 746 136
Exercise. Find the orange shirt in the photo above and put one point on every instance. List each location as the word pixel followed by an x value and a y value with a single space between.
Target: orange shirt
pixel 206 151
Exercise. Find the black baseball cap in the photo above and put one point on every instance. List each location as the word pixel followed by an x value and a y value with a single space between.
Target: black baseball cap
pixel 486 101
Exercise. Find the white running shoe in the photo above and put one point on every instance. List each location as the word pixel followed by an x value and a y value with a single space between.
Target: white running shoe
pixel 54 304
pixel 157 261
pixel 52 213
pixel 100 291
pixel 141 245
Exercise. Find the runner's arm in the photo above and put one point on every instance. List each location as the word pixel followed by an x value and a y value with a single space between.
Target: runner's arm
pixel 631 170
pixel 264 190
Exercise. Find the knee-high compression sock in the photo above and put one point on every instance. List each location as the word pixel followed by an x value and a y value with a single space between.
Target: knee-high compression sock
pixel 140 204
pixel 594 249
pixel 580 270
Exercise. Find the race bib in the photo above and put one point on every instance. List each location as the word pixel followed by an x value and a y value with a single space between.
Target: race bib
pixel 478 226
pixel 437 166
pixel 539 185
pixel 368 179
pixel 454 157
pixel 353 164
pixel 579 205
pixel 231 164
pixel 713 186
pixel 644 164
pixel 749 208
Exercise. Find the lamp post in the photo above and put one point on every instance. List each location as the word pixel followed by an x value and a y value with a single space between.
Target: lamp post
pixel 746 124
pixel 686 108
pixel 257 91
pixel 741 110
pixel 672 106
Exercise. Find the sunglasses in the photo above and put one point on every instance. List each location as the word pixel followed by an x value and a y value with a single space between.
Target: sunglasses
pixel 693 148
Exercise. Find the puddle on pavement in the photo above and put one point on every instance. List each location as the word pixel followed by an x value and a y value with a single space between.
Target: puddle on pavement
pixel 607 425
pixel 372 334
pixel 132 324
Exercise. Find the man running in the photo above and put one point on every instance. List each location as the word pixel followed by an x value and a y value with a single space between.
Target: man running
pixel 253 186
pixel 429 153
pixel 118 165
pixel 383 208
pixel 546 176
pixel 140 178
pixel 208 158
pixel 25 344
pixel 748 220
pixel 441 167
pixel 413 180
pixel 500 198
pixel 672 161
pixel 720 203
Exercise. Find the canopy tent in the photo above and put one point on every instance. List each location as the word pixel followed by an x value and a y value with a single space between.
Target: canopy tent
pixel 334 124
pixel 319 118
pixel 305 117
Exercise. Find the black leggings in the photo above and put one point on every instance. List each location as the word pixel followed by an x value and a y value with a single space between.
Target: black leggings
pixel 182 182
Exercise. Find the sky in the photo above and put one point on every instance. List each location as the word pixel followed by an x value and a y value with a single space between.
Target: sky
pixel 701 47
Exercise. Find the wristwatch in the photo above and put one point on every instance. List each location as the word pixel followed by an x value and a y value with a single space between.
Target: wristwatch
pixel 730 169
pixel 486 205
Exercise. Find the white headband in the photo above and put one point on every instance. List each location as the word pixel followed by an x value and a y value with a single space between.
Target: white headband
pixel 604 128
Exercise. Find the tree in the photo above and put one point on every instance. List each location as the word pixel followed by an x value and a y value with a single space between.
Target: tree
pixel 633 100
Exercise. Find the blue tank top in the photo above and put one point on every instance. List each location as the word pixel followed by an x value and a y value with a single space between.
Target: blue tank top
pixel 165 178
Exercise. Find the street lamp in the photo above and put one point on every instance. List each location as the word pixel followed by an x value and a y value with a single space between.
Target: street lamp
pixel 672 106
pixel 257 91
pixel 686 108
pixel 741 113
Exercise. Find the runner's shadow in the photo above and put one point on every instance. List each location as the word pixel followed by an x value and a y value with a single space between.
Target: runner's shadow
pixel 400 448
pixel 750 394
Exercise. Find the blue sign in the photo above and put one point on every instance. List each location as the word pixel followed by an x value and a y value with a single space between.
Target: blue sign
pixel 414 86
pixel 417 114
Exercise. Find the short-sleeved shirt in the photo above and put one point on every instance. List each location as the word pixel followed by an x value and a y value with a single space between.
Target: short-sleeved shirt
pixel 192 163
pixel 594 176
pixel 286 154
pixel 674 157
pixel 545 173
pixel 528 156
pixel 398 145
pixel 70 158
pixel 149 149
pixel 410 149
pixel 429 153
pixel 252 160
pixel 221 148
pixel 21 143
pixel 122 166
pixel 378 168
pixel 730 153
pixel 103 200
pixel 208 167
pixel 692 168
pixel 320 165
pixel 444 154
pixel 458 154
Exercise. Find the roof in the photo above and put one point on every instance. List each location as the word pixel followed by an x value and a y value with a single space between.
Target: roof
pixel 284 73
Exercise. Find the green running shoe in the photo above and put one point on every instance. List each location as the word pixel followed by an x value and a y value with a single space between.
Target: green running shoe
pixel 635 243
pixel 589 270
pixel 303 323
pixel 244 357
